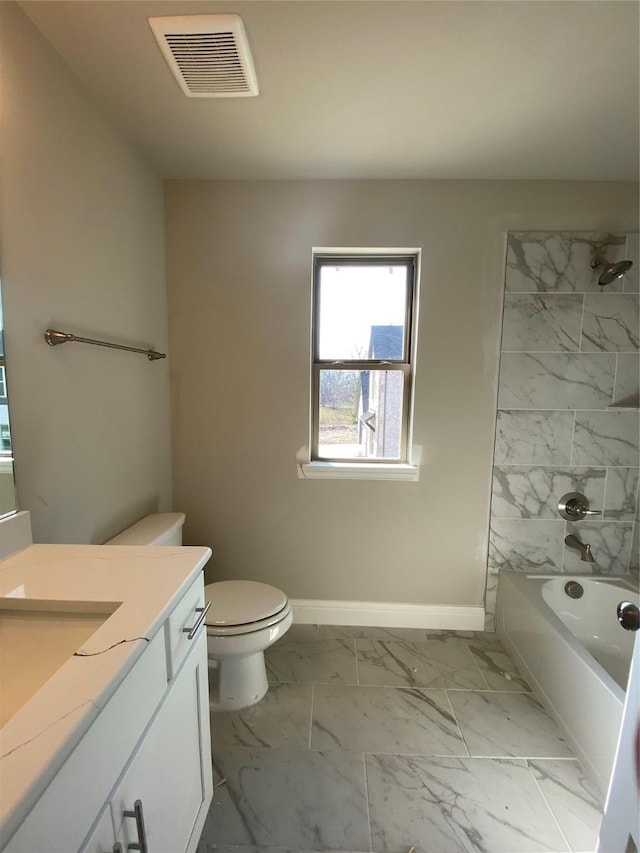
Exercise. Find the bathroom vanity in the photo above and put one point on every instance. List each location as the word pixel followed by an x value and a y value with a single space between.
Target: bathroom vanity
pixel 104 738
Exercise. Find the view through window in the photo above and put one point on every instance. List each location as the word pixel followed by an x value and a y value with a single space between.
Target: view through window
pixel 363 318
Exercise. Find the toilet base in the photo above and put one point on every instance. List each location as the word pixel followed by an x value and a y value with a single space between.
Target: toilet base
pixel 237 682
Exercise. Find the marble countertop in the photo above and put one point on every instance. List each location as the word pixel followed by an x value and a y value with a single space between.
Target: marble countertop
pixel 143 584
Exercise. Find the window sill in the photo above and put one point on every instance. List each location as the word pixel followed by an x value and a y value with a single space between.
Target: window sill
pixel 358 471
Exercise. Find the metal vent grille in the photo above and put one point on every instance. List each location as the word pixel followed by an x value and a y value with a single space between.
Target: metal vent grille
pixel 208 54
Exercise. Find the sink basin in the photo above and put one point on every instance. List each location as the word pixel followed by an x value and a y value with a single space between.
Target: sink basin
pixel 37 638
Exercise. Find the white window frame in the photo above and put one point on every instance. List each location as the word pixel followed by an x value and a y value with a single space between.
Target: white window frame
pixel 406 467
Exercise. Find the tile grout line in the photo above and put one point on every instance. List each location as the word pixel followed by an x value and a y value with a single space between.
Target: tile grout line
pixel 366 794
pixel 455 717
pixel 313 696
pixel 547 803
pixel 477 666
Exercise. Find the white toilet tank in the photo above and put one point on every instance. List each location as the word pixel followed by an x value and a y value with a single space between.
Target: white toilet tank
pixel 162 528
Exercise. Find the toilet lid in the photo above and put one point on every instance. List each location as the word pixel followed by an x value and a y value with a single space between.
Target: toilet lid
pixel 242 602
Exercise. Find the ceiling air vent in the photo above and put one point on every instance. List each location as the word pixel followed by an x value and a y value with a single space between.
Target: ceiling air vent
pixel 208 54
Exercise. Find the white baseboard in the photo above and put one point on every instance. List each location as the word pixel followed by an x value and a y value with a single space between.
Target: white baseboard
pixel 382 614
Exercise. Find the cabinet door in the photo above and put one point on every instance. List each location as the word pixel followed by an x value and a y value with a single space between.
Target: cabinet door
pixel 102 839
pixel 170 773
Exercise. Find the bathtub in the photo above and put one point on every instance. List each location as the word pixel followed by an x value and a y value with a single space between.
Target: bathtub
pixel 574 654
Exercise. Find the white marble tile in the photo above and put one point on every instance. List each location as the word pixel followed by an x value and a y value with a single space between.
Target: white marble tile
pixel 353 632
pixel 533 437
pixel 610 545
pixel 611 323
pixel 312 660
pixel 445 634
pixel 531 545
pixel 283 798
pixel 384 719
pixel 434 663
pixel 621 494
pixel 634 561
pixel 627 386
pixel 282 719
pixel 499 671
pixel 507 725
pixel 542 322
pixel 490 599
pixel 556 380
pixel 454 805
pixel 632 277
pixel 300 631
pixel 607 438
pixel 214 847
pixel 558 261
pixel 533 492
pixel 573 799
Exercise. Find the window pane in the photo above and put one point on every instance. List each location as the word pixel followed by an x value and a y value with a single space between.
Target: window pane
pixel 362 311
pixel 360 414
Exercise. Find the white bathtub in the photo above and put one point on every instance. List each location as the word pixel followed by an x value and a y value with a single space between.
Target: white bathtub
pixel 574 654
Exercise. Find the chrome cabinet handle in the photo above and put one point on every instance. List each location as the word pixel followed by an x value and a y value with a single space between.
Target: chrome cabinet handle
pixel 193 631
pixel 138 815
pixel 573 507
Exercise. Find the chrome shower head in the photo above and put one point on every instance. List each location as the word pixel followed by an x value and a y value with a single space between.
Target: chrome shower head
pixel 611 272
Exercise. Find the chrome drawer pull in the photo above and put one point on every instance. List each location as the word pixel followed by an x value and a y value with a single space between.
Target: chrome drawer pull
pixel 142 833
pixel 203 612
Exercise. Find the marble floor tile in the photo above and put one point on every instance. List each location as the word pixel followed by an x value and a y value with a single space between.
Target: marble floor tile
pixel 281 720
pixel 290 772
pixel 507 724
pixel 359 632
pixel 302 632
pixel 444 635
pixel 498 669
pixel 384 719
pixel 283 798
pixel 458 805
pixel 212 847
pixel 573 799
pixel 321 661
pixel 433 663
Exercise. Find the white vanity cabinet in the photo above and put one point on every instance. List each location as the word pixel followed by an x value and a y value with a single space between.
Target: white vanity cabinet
pixel 169 775
pixel 142 773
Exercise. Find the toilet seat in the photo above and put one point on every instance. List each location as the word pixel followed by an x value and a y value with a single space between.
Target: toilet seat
pixel 243 607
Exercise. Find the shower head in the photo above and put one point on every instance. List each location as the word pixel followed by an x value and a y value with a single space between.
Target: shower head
pixel 611 271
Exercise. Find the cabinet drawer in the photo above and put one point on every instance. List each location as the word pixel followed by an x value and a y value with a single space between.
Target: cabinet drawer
pixel 184 616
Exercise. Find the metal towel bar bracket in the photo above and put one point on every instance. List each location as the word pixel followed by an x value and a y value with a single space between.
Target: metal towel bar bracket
pixel 53 338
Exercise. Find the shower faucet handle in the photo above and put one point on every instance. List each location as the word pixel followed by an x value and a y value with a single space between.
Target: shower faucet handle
pixel 574 507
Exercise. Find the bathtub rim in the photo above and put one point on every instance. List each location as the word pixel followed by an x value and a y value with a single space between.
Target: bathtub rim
pixel 573 726
pixel 537 601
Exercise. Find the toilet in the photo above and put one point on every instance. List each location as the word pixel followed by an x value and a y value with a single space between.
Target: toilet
pixel 244 619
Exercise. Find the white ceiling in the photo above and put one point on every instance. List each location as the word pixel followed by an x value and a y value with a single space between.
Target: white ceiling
pixel 375 88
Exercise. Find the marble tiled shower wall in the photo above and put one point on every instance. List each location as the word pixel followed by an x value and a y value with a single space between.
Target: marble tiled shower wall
pixel 567 407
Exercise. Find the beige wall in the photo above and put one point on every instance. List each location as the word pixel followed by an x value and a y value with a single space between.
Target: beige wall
pixel 81 250
pixel 239 277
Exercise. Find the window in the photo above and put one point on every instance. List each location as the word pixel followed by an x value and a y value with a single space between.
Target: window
pixel 363 344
